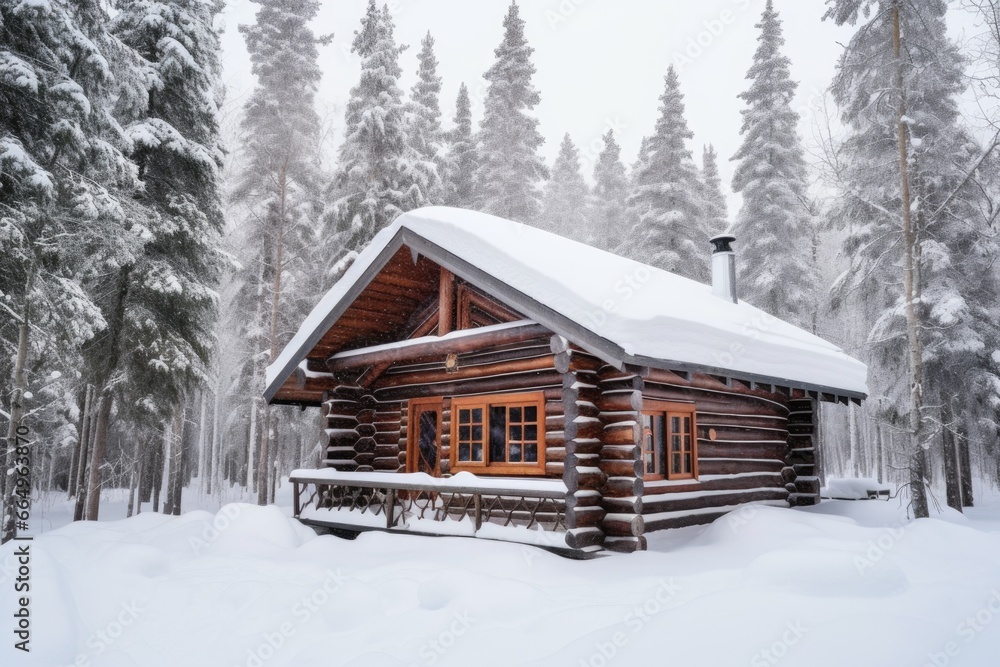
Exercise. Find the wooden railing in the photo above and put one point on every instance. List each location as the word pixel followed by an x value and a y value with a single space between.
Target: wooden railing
pixel 393 501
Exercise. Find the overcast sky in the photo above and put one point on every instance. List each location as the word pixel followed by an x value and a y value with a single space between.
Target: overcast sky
pixel 600 63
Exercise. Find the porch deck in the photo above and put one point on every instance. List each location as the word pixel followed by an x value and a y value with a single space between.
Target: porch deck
pixel 526 511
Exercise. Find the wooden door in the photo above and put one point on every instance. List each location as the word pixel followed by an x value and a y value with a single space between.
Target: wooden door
pixel 423 447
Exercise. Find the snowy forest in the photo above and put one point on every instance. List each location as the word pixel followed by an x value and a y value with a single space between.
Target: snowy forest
pixel 160 247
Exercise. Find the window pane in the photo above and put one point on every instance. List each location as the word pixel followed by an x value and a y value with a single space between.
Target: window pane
pixel 477 433
pixel 477 415
pixel 463 433
pixel 675 443
pixel 515 453
pixel 675 464
pixel 477 451
pixel 687 424
pixel 463 452
pixel 515 433
pixel 498 433
pixel 675 424
pixel 428 437
pixel 660 443
pixel 464 415
pixel 650 463
pixel 687 443
pixel 530 452
pixel 530 413
pixel 531 432
pixel 515 414
pixel 687 463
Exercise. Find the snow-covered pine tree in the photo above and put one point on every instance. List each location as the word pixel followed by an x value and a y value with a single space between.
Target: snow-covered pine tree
pixel 774 227
pixel 378 169
pixel 462 155
pixel 160 307
pixel 565 206
pixel 715 210
pixel 921 260
pixel 279 188
pixel 424 132
pixel 510 167
pixel 608 215
pixel 665 197
pixel 65 188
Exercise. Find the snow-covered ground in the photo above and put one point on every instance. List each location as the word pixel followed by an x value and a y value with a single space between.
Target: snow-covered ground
pixel 845 583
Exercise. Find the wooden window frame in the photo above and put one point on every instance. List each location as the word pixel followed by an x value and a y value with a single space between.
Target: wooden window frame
pixel 487 467
pixel 666 409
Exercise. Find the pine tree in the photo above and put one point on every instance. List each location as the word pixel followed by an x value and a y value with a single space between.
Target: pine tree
pixel 609 194
pixel 462 155
pixel 921 264
pixel 715 210
pixel 281 183
pixel 424 132
pixel 160 307
pixel 564 209
pixel 664 200
pixel 65 189
pixel 379 170
pixel 510 167
pixel 774 227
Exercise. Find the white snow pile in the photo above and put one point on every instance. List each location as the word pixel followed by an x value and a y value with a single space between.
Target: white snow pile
pixel 844 583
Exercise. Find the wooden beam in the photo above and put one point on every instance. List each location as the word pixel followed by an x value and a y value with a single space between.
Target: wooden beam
pixel 446 305
pixel 431 346
pixel 510 367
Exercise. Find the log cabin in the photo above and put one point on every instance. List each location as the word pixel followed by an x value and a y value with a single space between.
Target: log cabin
pixel 482 377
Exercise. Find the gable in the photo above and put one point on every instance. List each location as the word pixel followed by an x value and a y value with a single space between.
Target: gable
pixel 410 297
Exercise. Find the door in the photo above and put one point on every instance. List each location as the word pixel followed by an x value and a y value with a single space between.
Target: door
pixel 424 436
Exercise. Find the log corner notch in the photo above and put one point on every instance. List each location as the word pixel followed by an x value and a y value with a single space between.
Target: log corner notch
pixel 800 474
pixel 581 436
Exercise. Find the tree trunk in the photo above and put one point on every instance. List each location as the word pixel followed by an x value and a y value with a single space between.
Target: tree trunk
pixel 952 480
pixel 216 476
pixel 97 458
pixel 85 448
pixel 158 460
pixel 917 466
pixel 79 453
pixel 279 253
pixel 176 479
pixel 202 454
pixel 19 384
pixel 965 466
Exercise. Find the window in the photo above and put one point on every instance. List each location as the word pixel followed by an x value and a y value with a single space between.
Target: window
pixel 499 434
pixel 669 446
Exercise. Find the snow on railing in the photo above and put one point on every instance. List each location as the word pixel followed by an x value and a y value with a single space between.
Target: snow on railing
pixel 516 510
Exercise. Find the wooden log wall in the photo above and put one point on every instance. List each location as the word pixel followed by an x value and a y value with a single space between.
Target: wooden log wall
pixel 574 451
pixel 370 429
pixel 800 474
pixel 342 406
pixel 620 412
pixel 747 461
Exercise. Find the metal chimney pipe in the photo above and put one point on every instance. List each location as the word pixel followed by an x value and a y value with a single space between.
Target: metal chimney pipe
pixel 724 268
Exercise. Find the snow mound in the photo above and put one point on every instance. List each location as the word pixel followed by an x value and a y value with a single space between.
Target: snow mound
pixel 827 573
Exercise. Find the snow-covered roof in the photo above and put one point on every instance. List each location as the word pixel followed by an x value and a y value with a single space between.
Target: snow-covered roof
pixel 619 309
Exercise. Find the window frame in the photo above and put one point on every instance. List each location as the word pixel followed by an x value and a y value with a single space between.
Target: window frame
pixel 661 451
pixel 487 401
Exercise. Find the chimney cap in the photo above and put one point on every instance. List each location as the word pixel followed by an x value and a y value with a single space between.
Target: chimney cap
pixel 721 242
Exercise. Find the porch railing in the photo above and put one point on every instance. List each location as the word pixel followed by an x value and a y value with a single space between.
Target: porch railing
pixel 519 512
